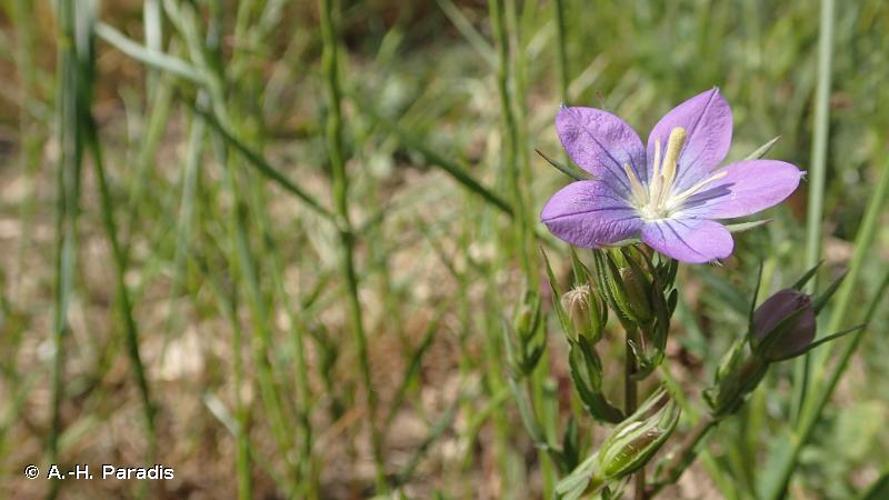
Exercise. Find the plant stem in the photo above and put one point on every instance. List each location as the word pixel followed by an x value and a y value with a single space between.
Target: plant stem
pixel 817 176
pixel 340 189
pixel 511 154
pixel 824 383
pixel 124 301
pixel 561 50
pixel 683 457
pixel 630 403
pixel 68 194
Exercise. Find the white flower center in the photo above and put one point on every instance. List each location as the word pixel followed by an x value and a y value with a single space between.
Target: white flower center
pixel 657 199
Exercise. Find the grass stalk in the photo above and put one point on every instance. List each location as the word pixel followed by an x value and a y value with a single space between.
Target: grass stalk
pixel 67 206
pixel 241 256
pixel 22 14
pixel 227 299
pixel 511 157
pixel 340 189
pixel 124 301
pixel 561 49
pixel 825 382
pixel 87 135
pixel 817 176
pixel 307 484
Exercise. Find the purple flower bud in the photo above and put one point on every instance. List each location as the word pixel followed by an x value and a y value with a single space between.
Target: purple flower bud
pixel 783 326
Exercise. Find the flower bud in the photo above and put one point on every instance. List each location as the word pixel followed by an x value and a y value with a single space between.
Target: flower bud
pixel 633 442
pixel 586 312
pixel 637 289
pixel 625 287
pixel 783 326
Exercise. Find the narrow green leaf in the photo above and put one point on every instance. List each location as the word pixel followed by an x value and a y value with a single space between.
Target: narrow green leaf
pixel 262 165
pixel 453 168
pixel 746 226
pixel 762 150
pixel 153 58
pixel 569 171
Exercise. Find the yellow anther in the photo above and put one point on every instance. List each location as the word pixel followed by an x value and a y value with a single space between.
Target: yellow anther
pixel 671 158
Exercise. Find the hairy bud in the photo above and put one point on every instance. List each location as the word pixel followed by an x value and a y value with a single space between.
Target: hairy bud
pixel 586 312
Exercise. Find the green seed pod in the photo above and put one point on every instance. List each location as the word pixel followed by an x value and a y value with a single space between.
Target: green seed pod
pixel 635 440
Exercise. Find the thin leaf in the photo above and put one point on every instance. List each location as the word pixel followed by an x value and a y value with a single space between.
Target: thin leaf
pixel 153 58
pixel 825 296
pixel 454 169
pixel 570 172
pixel 746 226
pixel 762 150
pixel 800 283
pixel 262 165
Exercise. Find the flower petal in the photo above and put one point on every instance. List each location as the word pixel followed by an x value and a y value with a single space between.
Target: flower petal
pixel 748 187
pixel 689 240
pixel 590 214
pixel 601 143
pixel 707 120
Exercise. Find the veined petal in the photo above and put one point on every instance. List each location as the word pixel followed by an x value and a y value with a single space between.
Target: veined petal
pixel 748 187
pixel 707 120
pixel 590 214
pixel 601 143
pixel 694 241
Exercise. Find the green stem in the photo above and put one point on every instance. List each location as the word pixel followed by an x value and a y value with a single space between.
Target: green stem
pixel 68 194
pixel 511 155
pixel 817 175
pixel 631 396
pixel 561 49
pixel 340 187
pixel 124 301
pixel 32 135
pixel 227 302
pixel 683 457
pixel 825 384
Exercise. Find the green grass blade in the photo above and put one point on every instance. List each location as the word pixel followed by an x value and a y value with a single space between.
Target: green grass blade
pixel 67 208
pixel 263 166
pixel 340 188
pixel 152 58
pixel 452 168
pixel 785 460
pixel 817 176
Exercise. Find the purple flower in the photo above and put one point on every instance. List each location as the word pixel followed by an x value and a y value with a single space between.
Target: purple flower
pixel 667 195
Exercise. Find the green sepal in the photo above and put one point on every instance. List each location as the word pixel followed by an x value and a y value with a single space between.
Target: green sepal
pixel 635 440
pixel 586 373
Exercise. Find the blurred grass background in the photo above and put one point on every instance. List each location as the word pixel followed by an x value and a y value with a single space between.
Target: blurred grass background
pixel 267 243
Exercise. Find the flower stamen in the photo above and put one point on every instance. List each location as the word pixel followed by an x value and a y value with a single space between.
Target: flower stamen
pixel 677 200
pixel 668 169
pixel 635 186
pixel 654 200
